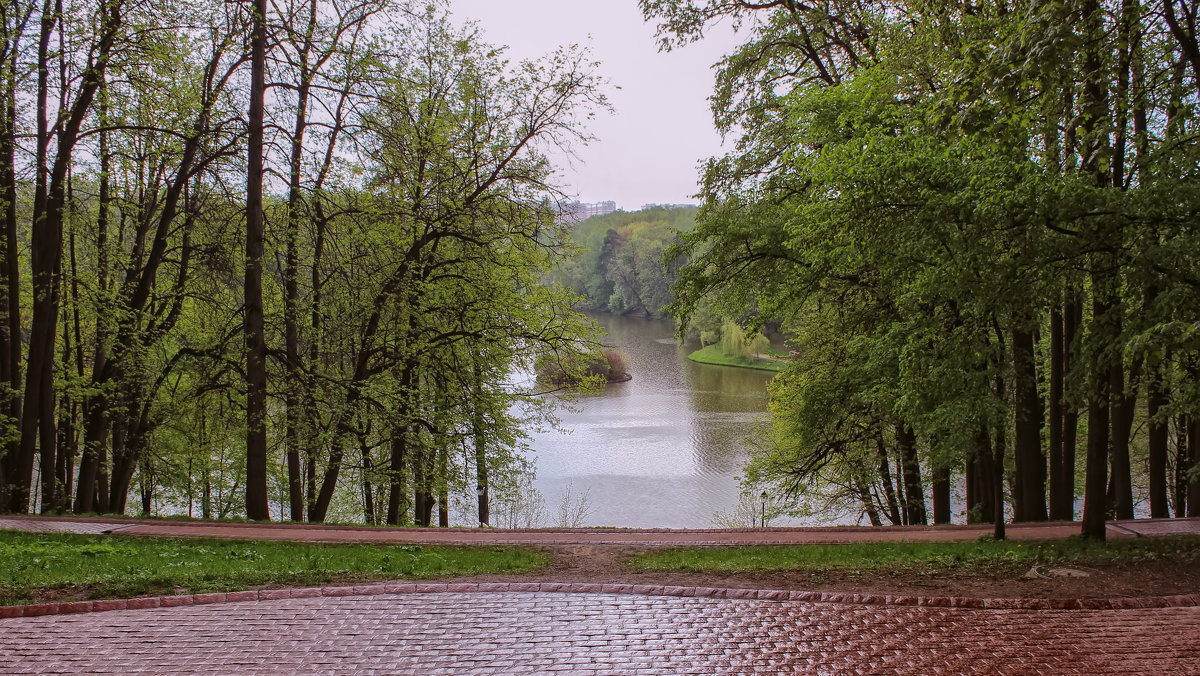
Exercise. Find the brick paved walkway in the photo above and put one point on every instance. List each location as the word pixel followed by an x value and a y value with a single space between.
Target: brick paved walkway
pixel 595 633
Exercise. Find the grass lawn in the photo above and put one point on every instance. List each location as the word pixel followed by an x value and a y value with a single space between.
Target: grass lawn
pixel 36 565
pixel 713 355
pixel 919 556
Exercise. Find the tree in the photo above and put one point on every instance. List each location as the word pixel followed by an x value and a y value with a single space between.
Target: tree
pixel 959 167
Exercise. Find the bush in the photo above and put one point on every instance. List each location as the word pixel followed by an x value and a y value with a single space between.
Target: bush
pixel 608 366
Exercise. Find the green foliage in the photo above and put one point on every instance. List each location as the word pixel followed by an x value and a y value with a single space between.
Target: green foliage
pixel 406 245
pixel 905 195
pixel 921 556
pixel 620 267
pixel 92 567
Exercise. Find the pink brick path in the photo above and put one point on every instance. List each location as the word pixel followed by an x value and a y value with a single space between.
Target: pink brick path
pixel 596 633
pixel 593 536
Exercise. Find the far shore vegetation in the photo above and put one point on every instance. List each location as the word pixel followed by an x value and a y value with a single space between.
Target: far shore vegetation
pixel 733 346
pixel 712 354
pixel 930 557
pixel 38 566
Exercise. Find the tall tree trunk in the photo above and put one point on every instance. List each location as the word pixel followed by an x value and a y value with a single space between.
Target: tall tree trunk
pixel 889 491
pixel 256 345
pixel 1157 397
pixel 43 249
pixel 397 480
pixel 1096 479
pixel 1104 271
pixel 1193 464
pixel 972 496
pixel 864 497
pixel 941 495
pixel 95 408
pixel 999 450
pixel 443 456
pixel 914 491
pixel 38 421
pixel 482 489
pixel 422 483
pixel 10 268
pixel 397 488
pixel 1182 453
pixel 291 310
pixel 980 495
pixel 1121 418
pixel 367 470
pixel 1072 320
pixel 1027 441
pixel 1057 469
pixel 320 507
pixel 479 436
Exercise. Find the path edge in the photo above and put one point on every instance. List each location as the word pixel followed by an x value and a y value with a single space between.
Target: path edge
pixel 777 595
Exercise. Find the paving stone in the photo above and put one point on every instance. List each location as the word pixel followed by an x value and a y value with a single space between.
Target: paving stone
pixel 524 632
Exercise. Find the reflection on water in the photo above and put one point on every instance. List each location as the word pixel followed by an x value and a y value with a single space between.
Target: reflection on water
pixel 665 449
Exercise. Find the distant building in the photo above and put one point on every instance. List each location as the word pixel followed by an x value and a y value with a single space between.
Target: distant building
pixel 598 208
pixel 578 211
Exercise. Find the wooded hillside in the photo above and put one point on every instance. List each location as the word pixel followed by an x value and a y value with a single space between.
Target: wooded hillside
pixel 620 268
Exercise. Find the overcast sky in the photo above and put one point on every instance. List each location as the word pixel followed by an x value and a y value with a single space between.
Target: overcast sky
pixel 650 148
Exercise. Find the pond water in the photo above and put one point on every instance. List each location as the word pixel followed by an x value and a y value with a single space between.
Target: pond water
pixel 665 449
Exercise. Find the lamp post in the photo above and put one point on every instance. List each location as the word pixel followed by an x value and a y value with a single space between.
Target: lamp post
pixel 763 497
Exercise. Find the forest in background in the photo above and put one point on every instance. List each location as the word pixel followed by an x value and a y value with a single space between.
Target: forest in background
pixel 277 261
pixel 619 267
pixel 979 223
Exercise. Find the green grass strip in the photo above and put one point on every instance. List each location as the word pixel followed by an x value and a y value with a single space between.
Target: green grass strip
pixel 100 567
pixel 917 555
pixel 713 355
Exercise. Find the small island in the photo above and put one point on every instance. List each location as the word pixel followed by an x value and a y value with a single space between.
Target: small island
pixel 607 367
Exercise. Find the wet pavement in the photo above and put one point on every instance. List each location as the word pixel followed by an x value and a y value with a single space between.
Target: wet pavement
pixel 597 633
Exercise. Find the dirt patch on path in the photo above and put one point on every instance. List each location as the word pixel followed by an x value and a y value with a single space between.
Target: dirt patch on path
pixel 610 565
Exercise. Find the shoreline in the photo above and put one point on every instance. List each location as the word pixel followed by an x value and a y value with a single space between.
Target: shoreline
pixel 713 356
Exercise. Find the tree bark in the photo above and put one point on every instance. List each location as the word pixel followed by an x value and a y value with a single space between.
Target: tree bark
pixel 479 436
pixel 914 492
pixel 1157 398
pixel 1104 272
pixel 1096 479
pixel 889 491
pixel 1182 427
pixel 941 495
pixel 10 267
pixel 1121 418
pixel 397 488
pixel 397 483
pixel 998 452
pixel 1193 487
pixel 1057 469
pixel 257 508
pixel 291 310
pixel 1027 442
pixel 1072 320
